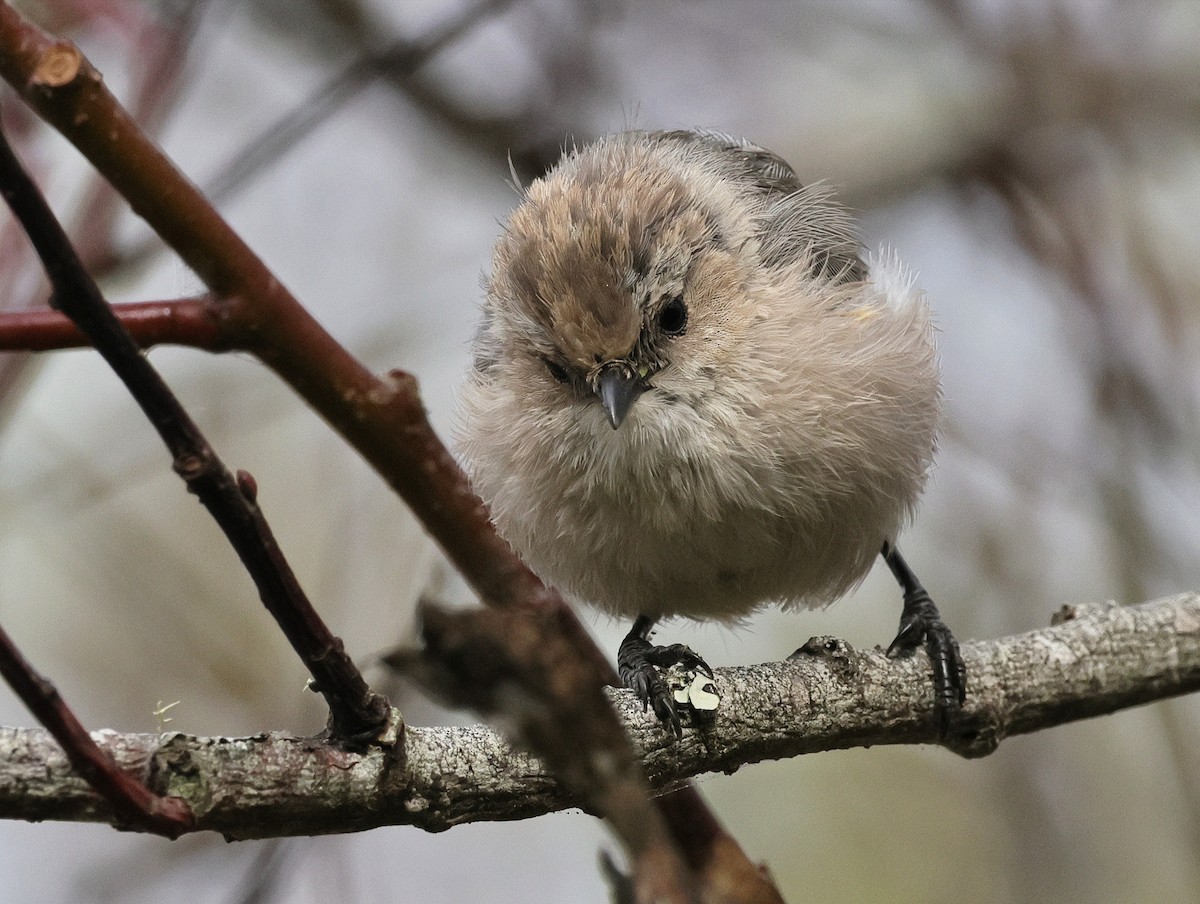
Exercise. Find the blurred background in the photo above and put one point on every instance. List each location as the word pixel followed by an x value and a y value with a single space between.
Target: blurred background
pixel 1037 162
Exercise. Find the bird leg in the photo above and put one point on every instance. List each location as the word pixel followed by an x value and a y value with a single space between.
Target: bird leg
pixel 921 623
pixel 638 662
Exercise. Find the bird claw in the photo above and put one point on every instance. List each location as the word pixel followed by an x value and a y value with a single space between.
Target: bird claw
pixel 677 654
pixel 921 624
pixel 638 664
pixel 910 636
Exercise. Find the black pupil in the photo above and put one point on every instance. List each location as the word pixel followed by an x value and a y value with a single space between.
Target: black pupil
pixel 673 317
pixel 557 371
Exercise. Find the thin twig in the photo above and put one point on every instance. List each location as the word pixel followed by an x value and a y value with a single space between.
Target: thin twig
pixel 526 137
pixel 356 711
pixel 194 322
pixel 162 51
pixel 400 58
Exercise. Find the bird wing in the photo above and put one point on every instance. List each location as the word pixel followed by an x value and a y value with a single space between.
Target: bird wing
pixel 765 169
pixel 797 220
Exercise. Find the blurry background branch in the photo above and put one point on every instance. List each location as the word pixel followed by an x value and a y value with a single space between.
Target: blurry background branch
pixel 1095 660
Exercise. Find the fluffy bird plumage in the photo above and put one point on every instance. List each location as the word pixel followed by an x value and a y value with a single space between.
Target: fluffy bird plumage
pixel 786 419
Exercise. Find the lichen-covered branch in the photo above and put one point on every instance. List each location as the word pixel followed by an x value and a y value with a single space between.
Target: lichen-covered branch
pixel 517 671
pixel 1096 659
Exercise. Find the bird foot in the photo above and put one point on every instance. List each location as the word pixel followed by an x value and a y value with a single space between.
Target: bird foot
pixel 921 624
pixel 639 663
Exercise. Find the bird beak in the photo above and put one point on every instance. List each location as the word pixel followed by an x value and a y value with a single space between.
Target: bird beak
pixel 618 389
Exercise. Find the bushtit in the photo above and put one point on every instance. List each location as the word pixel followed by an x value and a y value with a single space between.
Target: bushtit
pixel 692 396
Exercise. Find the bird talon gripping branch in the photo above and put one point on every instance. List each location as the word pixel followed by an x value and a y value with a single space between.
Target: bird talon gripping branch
pixel 664 677
pixel 693 396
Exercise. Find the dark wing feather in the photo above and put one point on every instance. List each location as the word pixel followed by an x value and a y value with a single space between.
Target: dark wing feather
pixel 765 169
pixel 796 220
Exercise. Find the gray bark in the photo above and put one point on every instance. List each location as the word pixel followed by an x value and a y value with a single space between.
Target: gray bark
pixel 1095 659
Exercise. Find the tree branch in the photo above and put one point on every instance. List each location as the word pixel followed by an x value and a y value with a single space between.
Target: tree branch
pixel 356 711
pixel 194 322
pixel 381 417
pixel 398 59
pixel 131 801
pixel 1097 659
pixel 505 665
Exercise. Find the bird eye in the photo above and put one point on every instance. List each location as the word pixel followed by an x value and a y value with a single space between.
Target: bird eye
pixel 557 371
pixel 673 318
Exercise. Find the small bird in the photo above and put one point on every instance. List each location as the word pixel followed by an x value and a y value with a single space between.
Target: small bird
pixel 692 396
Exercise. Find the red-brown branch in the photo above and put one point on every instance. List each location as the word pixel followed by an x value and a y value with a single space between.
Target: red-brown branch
pixel 194 322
